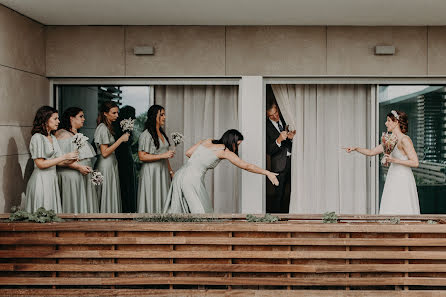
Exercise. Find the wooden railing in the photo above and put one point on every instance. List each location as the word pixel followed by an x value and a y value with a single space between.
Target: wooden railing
pixel 230 257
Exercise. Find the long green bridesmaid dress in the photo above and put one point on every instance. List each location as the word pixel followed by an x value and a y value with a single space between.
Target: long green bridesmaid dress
pixel 43 188
pixel 109 192
pixel 154 178
pixel 188 192
pixel 77 192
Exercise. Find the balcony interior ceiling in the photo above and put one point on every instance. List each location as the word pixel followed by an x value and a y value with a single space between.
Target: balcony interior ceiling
pixel 233 12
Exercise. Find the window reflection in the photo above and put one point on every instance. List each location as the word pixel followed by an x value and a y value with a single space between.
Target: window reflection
pixel 426 109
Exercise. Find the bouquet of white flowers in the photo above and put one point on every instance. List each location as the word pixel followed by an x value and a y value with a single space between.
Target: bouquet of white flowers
pixel 97 178
pixel 79 140
pixel 127 125
pixel 177 138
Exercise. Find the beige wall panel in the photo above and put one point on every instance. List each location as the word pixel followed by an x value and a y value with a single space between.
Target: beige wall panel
pixel 21 94
pixel 283 50
pixel 22 42
pixel 179 50
pixel 350 51
pixel 14 140
pixel 85 51
pixel 14 175
pixel 437 50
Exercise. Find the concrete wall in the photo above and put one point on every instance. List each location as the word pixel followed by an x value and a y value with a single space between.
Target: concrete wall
pixel 23 88
pixel 244 50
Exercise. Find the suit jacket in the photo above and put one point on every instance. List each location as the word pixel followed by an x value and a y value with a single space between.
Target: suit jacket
pixel 278 154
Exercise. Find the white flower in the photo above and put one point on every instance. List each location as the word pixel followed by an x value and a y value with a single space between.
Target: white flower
pixel 177 138
pixel 97 178
pixel 127 125
pixel 79 140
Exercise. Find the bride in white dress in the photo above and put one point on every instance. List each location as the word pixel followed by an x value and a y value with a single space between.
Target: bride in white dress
pixel 400 191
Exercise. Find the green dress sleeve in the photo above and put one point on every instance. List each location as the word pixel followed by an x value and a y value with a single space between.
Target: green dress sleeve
pixel 86 152
pixel 146 144
pixel 102 135
pixel 37 146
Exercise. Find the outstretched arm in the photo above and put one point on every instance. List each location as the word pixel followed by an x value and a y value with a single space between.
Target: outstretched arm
pixel 234 159
pixel 368 152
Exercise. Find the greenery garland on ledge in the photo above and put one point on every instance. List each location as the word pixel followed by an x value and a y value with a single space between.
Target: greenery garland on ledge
pixel 175 218
pixel 183 218
pixel 268 218
pixel 330 218
pixel 41 215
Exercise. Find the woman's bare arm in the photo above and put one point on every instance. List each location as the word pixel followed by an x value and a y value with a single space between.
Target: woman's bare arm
pixel 234 159
pixel 367 152
pixel 42 163
pixel 146 157
pixel 191 150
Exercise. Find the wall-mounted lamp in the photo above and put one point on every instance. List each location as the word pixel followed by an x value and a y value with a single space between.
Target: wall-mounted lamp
pixel 384 50
pixel 143 50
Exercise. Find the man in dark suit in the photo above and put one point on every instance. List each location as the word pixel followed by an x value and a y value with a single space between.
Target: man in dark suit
pixel 278 147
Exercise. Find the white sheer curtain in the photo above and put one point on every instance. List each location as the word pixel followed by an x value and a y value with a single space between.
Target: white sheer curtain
pixel 201 112
pixel 326 118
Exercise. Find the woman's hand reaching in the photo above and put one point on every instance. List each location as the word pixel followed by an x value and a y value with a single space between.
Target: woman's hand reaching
pixel 273 178
pixel 349 149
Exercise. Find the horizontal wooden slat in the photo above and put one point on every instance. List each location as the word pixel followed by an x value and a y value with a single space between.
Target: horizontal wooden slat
pixel 206 293
pixel 225 227
pixel 430 255
pixel 232 216
pixel 81 281
pixel 223 241
pixel 325 268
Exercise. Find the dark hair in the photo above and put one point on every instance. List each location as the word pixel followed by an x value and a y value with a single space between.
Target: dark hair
pixel 270 104
pixel 65 122
pixel 150 124
pixel 105 107
pixel 403 120
pixel 126 112
pixel 43 114
pixel 230 139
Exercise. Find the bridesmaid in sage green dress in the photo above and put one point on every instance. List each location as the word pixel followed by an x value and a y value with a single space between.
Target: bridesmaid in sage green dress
pixel 109 192
pixel 77 192
pixel 188 193
pixel 43 189
pixel 156 173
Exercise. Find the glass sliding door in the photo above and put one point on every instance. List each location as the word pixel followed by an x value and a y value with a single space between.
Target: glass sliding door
pixel 425 106
pixel 133 102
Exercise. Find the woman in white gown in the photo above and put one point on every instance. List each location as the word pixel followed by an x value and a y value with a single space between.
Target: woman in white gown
pixel 400 191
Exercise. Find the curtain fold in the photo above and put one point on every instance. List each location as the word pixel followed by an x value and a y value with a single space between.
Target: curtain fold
pixel 326 118
pixel 201 112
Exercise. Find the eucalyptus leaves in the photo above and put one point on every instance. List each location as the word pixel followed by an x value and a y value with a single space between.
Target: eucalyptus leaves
pixel 41 215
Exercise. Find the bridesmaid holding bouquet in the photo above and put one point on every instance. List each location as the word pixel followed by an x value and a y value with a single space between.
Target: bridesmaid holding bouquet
pixel 109 192
pixel 43 188
pixel 156 173
pixel 77 192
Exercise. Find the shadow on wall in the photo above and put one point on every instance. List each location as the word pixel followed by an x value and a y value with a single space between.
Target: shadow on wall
pixel 14 181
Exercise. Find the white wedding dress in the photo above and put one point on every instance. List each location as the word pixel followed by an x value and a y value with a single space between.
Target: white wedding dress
pixel 400 195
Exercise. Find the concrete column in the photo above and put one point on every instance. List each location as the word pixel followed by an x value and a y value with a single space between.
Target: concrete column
pixel 252 123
